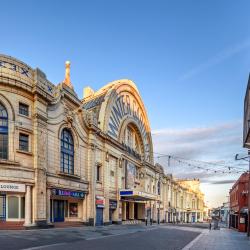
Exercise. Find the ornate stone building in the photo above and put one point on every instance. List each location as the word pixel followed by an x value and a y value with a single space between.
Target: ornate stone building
pixel 84 160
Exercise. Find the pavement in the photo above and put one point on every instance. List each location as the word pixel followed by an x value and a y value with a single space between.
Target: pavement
pixel 125 237
pixel 223 239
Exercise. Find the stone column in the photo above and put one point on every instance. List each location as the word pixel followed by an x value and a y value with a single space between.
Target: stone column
pixel 124 210
pixel 131 210
pixel 27 222
pixel 48 205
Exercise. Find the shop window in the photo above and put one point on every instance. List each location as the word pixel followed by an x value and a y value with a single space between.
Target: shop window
pixel 23 109
pixel 23 142
pixel 73 210
pixel 3 133
pixel 67 152
pixel 22 207
pixel 13 207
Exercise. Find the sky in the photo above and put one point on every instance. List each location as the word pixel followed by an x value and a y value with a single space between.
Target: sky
pixel 190 60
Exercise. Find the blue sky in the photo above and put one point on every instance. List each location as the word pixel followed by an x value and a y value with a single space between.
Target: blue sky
pixel 189 59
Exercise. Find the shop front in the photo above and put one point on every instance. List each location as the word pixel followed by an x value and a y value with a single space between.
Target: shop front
pixel 12 202
pixel 66 205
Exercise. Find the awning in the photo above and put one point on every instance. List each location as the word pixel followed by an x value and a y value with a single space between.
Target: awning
pixel 137 195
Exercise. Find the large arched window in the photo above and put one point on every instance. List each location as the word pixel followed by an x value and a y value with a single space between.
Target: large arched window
pixel 67 152
pixel 3 133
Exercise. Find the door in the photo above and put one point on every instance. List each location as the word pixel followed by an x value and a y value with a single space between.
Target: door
pixel 58 210
pixel 99 216
pixel 2 207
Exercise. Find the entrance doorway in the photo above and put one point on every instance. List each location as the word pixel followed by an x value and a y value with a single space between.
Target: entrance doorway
pixel 99 216
pixel 58 210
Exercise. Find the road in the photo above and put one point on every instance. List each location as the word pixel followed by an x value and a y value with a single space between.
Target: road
pixel 132 237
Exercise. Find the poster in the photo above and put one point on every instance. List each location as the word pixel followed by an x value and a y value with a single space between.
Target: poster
pixel 130 175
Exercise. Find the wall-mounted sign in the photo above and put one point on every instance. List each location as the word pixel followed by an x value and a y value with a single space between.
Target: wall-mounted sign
pixel 12 187
pixel 73 194
pixel 99 201
pixel 112 204
pixel 242 220
pixel 16 68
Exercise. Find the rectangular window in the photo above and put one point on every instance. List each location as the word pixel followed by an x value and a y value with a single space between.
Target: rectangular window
pixel 13 207
pixel 22 207
pixel 98 173
pixel 3 146
pixel 23 142
pixel 23 109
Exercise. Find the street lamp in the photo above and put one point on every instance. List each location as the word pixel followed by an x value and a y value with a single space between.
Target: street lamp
pixel 246 158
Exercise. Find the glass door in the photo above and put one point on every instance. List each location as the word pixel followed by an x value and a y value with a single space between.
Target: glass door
pixel 58 210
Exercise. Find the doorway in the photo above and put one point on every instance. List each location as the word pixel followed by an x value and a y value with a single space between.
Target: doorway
pixel 99 216
pixel 58 210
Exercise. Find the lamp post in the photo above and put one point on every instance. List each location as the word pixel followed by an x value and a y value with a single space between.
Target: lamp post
pixel 246 158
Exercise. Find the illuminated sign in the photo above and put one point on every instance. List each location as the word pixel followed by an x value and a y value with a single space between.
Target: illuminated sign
pixel 74 194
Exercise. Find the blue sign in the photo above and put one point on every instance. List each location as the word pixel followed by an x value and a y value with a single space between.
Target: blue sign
pixel 126 192
pixel 74 194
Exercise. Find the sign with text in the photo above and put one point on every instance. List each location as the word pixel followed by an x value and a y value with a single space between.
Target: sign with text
pixel 73 194
pixel 12 187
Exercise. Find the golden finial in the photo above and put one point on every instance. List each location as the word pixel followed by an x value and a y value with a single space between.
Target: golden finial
pixel 67 74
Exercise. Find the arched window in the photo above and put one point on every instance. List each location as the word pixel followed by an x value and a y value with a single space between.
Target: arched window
pixel 67 152
pixel 3 133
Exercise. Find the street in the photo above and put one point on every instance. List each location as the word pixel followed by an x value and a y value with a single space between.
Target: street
pixel 111 237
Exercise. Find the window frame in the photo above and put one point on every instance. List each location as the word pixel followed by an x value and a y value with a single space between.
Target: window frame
pixel 19 197
pixel 67 152
pixel 23 112
pixel 4 132
pixel 21 134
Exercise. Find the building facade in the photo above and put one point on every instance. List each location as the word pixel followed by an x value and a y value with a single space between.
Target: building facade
pixel 239 204
pixel 90 160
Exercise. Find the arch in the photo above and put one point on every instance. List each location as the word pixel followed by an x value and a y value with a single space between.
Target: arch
pixel 123 102
pixel 67 151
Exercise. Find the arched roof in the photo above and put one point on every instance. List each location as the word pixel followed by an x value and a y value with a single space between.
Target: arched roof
pixel 117 104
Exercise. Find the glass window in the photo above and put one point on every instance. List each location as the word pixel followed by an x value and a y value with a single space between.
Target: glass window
pixel 22 207
pixel 73 209
pixel 24 142
pixel 23 109
pixel 13 207
pixel 2 206
pixel 3 133
pixel 98 173
pixel 67 152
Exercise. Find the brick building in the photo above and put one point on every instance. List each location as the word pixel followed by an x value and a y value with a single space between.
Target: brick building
pixel 239 203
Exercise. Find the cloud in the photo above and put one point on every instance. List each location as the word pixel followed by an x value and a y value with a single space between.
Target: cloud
pixel 217 143
pixel 222 182
pixel 218 58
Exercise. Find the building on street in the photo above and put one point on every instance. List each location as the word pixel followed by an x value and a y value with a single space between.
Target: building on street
pixel 88 161
pixel 239 204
